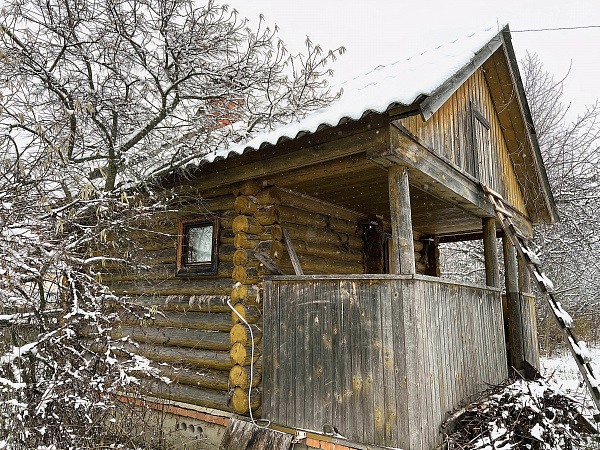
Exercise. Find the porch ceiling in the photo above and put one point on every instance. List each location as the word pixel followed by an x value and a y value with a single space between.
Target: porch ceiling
pixel 359 184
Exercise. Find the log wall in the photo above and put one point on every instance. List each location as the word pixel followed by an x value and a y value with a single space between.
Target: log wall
pixel 380 358
pixel 190 324
pixel 454 133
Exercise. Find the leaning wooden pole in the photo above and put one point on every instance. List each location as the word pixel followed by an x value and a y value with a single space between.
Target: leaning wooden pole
pixel 403 254
pixel 546 288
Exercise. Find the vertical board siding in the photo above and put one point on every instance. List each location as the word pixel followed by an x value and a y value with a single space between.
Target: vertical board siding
pixel 530 340
pixel 453 133
pixel 381 360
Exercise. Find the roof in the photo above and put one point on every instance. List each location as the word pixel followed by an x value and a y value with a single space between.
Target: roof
pixel 423 83
pixel 386 86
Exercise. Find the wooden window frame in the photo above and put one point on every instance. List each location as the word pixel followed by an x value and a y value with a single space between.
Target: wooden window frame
pixel 185 269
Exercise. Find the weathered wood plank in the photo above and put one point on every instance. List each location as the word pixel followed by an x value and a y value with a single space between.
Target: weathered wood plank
pixel 366 331
pixel 346 362
pixel 326 311
pixel 377 364
pixel 400 359
pixel 240 435
pixel 297 303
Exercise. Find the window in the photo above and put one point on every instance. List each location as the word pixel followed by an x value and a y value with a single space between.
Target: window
pixel 197 246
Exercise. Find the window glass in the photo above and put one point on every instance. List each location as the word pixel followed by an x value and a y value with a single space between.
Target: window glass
pixel 197 247
pixel 200 243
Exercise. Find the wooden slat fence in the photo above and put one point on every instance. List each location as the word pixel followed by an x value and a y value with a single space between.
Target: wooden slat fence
pixel 382 359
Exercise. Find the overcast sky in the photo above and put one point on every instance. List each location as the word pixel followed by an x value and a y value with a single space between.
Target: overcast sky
pixel 380 31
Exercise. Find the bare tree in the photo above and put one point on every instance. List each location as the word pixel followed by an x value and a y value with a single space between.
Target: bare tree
pixel 97 96
pixel 121 90
pixel 571 152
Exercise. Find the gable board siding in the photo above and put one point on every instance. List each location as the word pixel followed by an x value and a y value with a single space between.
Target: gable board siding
pixel 449 133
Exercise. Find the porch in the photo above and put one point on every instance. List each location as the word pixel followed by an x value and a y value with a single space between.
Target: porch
pixel 379 358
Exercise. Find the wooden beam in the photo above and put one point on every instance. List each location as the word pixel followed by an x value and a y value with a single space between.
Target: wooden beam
pixel 441 178
pixel 349 145
pixel 402 235
pixel 515 323
pixel 438 176
pixel 490 252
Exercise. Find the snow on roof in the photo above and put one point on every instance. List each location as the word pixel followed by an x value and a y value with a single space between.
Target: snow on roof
pixel 386 86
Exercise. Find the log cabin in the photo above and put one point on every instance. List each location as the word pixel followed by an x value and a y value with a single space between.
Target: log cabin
pixel 305 287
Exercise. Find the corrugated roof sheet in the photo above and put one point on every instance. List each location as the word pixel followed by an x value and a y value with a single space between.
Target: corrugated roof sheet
pixel 384 87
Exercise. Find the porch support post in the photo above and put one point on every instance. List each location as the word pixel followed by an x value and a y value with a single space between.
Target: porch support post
pixel 515 323
pixel 403 250
pixel 524 278
pixel 490 252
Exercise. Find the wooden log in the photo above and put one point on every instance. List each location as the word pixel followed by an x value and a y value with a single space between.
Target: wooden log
pixel 182 337
pixel 247 241
pixel 317 206
pixel 315 264
pixel 196 209
pixel 238 353
pixel 191 320
pixel 227 219
pixel 245 275
pixel 273 248
pixel 418 245
pixel 402 232
pixel 239 293
pixel 208 398
pixel 245 205
pixel 246 312
pixel 247 224
pixel 184 303
pixel 490 252
pixel 239 401
pixel 204 378
pixel 345 226
pixel 241 257
pixel 272 232
pixel 173 286
pixel 200 358
pixel 420 267
pixel 249 187
pixel 268 215
pixel 299 216
pixel 239 376
pixel 238 334
pixel 227 236
pixel 321 236
pixel 227 252
pixel 328 251
pixel 239 309
pixel 269 196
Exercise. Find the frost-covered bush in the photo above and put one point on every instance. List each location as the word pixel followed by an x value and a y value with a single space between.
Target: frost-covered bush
pixel 63 367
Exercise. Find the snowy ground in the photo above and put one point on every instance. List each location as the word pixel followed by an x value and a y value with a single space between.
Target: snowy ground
pixel 536 415
pixel 563 371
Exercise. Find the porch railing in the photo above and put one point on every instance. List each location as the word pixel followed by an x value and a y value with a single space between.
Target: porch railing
pixel 379 358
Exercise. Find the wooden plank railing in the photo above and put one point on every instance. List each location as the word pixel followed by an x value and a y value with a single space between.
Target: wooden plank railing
pixel 381 359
